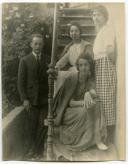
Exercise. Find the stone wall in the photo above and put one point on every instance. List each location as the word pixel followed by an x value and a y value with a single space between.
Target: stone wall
pixel 13 134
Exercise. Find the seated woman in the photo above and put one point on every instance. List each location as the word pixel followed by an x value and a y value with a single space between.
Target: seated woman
pixel 77 110
pixel 67 62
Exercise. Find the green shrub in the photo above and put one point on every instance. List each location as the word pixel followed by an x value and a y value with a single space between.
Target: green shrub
pixel 17 27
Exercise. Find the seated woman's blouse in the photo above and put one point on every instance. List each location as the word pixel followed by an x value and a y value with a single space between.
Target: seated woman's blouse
pixel 74 51
pixel 71 56
pixel 105 38
pixel 82 88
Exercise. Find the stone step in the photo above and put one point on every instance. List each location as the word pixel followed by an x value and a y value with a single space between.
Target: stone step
pixel 76 17
pixel 92 154
pixel 75 11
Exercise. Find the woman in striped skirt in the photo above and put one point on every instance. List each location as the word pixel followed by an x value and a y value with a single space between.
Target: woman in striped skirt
pixel 105 69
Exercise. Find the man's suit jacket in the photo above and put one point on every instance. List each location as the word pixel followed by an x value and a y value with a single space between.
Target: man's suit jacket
pixel 32 80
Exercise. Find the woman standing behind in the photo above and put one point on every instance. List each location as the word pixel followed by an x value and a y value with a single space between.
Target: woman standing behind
pixel 67 63
pixel 105 69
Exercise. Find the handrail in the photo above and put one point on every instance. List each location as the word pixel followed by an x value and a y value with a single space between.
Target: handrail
pixel 7 120
pixel 51 88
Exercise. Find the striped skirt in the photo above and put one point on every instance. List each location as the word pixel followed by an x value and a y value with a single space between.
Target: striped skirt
pixel 106 82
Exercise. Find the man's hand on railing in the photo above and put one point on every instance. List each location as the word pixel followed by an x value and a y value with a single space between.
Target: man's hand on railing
pixel 52 71
pixel 26 105
pixel 46 122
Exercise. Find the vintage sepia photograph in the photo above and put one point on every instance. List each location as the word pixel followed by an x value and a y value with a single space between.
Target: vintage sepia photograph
pixel 63 81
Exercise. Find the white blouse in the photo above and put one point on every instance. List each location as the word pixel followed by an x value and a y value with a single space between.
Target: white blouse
pixel 71 56
pixel 105 38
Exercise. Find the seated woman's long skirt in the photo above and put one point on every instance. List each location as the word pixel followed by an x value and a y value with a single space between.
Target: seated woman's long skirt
pixel 80 129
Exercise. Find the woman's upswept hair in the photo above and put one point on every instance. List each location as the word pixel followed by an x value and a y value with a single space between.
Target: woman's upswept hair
pixel 90 61
pixel 73 23
pixel 102 10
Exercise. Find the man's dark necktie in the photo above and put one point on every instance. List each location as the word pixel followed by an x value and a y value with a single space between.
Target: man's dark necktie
pixel 38 65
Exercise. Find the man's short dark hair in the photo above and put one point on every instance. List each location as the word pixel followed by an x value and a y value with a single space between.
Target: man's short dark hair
pixel 37 36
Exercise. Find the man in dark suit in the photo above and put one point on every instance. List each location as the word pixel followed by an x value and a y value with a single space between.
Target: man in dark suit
pixel 33 90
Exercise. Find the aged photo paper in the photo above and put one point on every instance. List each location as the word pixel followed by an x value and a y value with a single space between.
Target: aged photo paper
pixel 63 81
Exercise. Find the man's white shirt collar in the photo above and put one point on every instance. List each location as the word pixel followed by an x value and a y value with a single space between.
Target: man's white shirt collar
pixel 36 54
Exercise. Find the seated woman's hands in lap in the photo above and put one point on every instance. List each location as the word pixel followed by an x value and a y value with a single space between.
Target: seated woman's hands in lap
pixel 88 99
pixel 74 103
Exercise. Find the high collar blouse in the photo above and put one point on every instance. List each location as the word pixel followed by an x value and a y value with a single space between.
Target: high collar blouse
pixel 105 38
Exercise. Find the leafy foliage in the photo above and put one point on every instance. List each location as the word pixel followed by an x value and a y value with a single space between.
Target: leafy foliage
pixel 19 22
